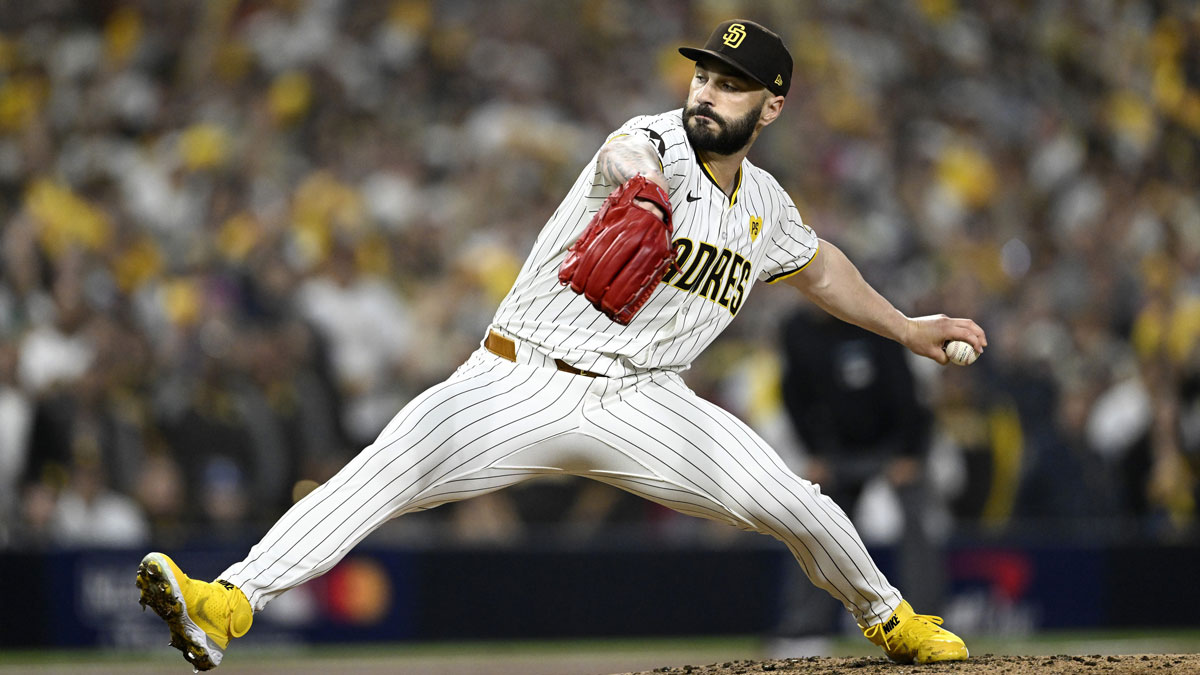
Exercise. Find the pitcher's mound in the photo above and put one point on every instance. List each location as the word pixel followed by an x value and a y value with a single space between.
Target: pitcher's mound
pixel 987 663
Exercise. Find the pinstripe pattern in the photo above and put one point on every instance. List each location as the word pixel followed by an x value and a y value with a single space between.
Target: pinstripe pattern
pixel 495 422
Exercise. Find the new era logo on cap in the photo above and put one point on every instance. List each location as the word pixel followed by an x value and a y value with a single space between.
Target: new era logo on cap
pixel 750 48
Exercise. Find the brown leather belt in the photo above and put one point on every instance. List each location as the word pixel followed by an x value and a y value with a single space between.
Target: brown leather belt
pixel 507 349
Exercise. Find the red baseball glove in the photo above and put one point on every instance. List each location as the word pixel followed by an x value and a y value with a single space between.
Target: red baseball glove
pixel 623 252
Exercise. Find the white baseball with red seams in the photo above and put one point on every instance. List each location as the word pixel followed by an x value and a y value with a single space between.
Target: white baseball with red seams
pixel 960 353
pixel 496 422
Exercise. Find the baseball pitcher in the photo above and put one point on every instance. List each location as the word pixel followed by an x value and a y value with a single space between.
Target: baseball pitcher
pixel 648 258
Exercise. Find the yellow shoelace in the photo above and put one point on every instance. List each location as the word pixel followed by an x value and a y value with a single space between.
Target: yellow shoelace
pixel 923 626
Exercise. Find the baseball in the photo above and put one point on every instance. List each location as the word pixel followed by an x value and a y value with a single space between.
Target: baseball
pixel 961 353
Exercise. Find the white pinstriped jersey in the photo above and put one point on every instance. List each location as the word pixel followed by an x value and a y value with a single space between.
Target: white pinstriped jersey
pixel 723 245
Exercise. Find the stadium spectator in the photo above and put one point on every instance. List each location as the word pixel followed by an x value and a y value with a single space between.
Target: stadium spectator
pixel 185 169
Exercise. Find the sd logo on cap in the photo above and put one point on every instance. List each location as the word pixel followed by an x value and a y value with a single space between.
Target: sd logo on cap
pixel 734 36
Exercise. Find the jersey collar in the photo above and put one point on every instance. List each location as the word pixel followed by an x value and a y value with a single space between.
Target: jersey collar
pixel 708 172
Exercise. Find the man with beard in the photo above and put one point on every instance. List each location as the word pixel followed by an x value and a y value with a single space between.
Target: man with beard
pixel 558 387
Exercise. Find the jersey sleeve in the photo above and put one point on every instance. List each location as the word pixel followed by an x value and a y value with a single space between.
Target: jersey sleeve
pixel 792 247
pixel 665 132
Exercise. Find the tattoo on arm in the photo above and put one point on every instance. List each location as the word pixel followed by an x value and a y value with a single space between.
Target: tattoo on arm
pixel 625 157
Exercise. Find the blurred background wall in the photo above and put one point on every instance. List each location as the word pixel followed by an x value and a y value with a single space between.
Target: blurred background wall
pixel 237 236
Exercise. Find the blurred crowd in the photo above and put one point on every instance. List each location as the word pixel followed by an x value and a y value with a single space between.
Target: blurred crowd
pixel 238 235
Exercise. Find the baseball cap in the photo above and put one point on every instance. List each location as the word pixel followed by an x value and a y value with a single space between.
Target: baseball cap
pixel 752 50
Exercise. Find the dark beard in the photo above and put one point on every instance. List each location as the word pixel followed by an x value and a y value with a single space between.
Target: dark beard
pixel 731 137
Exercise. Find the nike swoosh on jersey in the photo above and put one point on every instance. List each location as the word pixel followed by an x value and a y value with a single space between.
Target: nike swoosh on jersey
pixel 690 198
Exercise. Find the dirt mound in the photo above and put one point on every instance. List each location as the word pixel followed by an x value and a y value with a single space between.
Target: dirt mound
pixel 988 663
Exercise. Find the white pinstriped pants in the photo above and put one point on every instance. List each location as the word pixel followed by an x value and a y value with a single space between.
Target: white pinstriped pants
pixel 495 423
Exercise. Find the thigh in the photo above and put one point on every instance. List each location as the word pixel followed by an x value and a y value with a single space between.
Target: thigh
pixel 451 434
pixel 457 431
pixel 694 446
pixel 709 463
pixel 441 447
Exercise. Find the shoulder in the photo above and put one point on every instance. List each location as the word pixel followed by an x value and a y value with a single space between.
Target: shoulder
pixel 765 188
pixel 760 178
pixel 661 122
pixel 665 130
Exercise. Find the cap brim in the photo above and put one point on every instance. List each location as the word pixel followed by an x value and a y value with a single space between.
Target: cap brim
pixel 697 54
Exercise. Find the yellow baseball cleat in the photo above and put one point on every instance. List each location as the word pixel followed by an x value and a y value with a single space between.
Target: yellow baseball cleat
pixel 203 616
pixel 908 637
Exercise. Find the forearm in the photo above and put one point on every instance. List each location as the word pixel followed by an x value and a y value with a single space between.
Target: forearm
pixel 835 285
pixel 624 157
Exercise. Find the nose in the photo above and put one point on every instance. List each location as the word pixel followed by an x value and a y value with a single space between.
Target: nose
pixel 703 94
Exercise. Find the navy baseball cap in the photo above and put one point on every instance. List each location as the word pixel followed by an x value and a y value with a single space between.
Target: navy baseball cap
pixel 752 50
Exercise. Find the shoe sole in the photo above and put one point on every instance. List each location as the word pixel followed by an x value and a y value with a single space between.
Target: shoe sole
pixel 160 591
pixel 946 655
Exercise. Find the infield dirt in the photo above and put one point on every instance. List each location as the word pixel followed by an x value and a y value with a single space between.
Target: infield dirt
pixel 988 663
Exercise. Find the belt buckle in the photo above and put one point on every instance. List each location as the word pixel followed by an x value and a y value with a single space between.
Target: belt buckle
pixel 568 368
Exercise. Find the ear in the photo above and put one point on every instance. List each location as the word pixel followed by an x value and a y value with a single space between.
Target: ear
pixel 771 107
